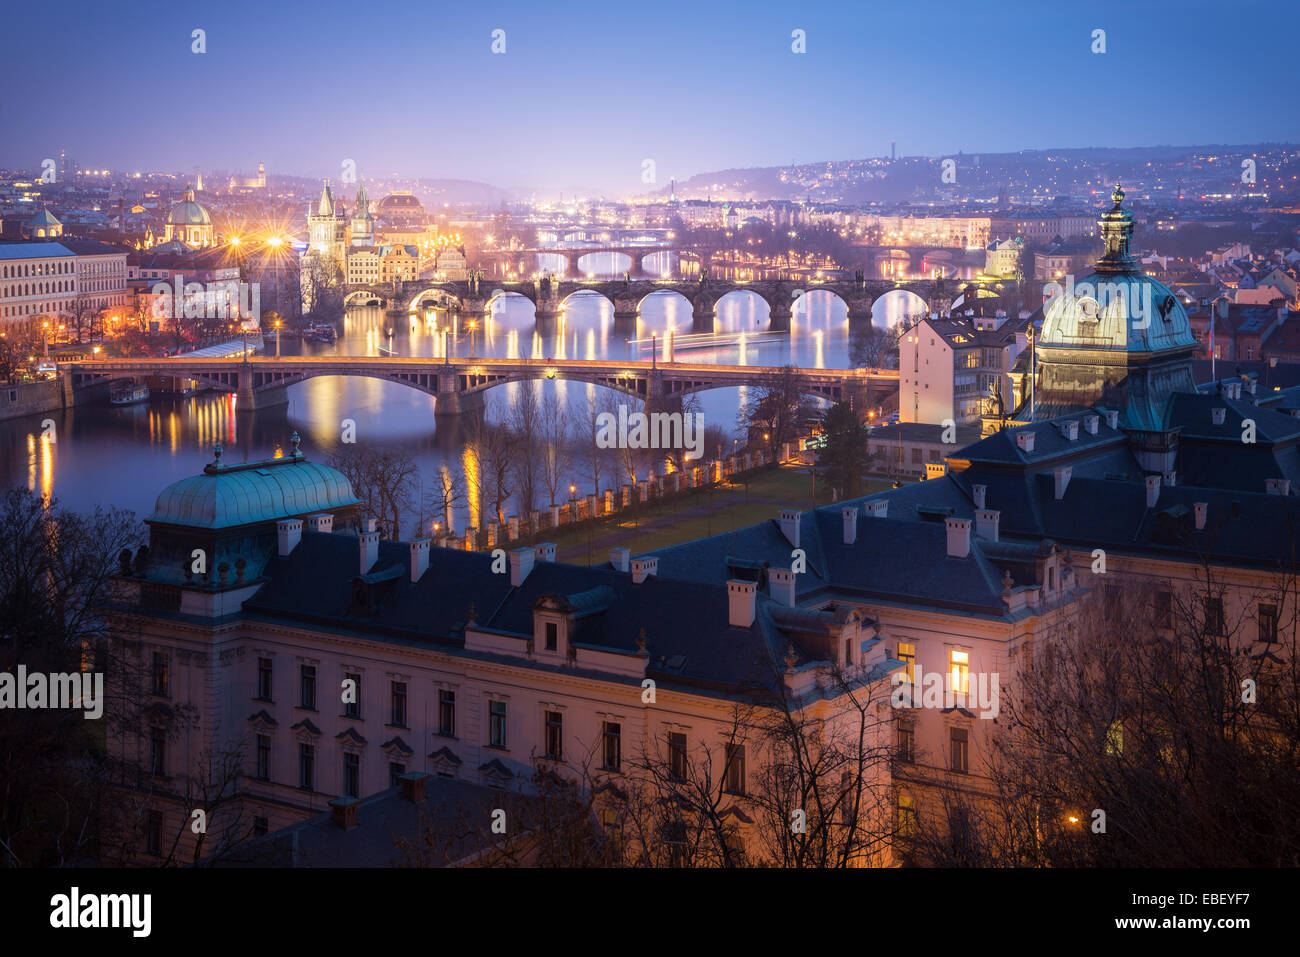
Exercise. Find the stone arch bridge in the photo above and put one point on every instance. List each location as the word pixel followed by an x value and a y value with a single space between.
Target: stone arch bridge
pixel 474 297
pixel 459 384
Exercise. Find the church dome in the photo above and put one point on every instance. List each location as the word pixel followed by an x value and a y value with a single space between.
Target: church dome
pixel 1117 307
pixel 189 213
pixel 228 496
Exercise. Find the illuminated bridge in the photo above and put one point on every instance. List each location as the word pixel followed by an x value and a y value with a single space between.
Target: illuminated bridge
pixel 459 383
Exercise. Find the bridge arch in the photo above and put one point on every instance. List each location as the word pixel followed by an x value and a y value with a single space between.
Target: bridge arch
pixel 754 315
pixel 894 304
pixel 802 301
pixel 365 296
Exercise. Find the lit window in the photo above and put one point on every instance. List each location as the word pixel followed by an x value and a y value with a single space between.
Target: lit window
pixel 907 655
pixel 959 671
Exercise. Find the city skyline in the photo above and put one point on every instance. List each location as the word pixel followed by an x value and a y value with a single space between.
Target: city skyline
pixel 306 90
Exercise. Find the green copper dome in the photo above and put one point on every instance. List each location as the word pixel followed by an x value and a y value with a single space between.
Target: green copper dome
pixel 1117 307
pixel 228 496
pixel 189 213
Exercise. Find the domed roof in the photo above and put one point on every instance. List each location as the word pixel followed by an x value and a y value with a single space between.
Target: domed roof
pixel 228 496
pixel 403 201
pixel 189 213
pixel 1123 312
pixel 1116 308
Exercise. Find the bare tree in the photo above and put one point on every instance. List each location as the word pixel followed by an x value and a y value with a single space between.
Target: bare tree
pixel 528 446
pixel 385 479
pixel 553 427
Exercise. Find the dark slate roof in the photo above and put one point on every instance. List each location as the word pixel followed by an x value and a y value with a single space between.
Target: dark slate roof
pixel 686 621
pixel 923 432
pixel 458 814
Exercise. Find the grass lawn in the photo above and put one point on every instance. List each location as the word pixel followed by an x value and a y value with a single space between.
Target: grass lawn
pixel 725 509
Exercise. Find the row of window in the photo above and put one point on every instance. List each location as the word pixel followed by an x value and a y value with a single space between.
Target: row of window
pixel 20 270
pixel 36 288
pixel 35 309
pixel 611 739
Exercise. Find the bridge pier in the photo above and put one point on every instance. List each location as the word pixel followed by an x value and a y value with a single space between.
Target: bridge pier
pixel 860 309
pixel 453 405
pixel 703 314
pixel 779 316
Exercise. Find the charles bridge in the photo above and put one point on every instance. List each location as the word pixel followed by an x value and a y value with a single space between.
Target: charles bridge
pixel 473 297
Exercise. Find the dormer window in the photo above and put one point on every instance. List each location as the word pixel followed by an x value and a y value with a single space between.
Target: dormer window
pixel 552 636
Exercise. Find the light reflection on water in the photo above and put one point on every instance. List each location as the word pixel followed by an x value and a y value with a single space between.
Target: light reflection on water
pixel 124 456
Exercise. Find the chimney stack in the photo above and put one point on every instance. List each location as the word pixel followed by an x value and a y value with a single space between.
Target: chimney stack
pixel 978 492
pixel 1070 430
pixel 780 585
pixel 790 526
pixel 1112 418
pixel 521 563
pixel 320 522
pixel 289 533
pixel 618 557
pixel 643 568
pixel 740 603
pixel 879 508
pixel 1153 490
pixel 850 514
pixel 419 561
pixel 1277 486
pixel 344 811
pixel 1061 480
pixel 1201 508
pixel 958 537
pixel 414 786
pixel 1025 441
pixel 545 552
pixel 986 523
pixel 1217 415
pixel 369 539
pixel 1090 424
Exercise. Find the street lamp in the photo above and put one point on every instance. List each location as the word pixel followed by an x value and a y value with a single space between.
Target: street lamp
pixel 45 338
pixel 277 338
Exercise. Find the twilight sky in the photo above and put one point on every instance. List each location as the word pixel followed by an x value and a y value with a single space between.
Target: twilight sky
pixel 585 91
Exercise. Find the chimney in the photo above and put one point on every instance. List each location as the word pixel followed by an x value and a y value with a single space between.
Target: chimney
pixel 790 526
pixel 1090 424
pixel 289 532
pixel 1249 383
pixel 545 552
pixel 850 514
pixel 369 540
pixel 958 537
pixel 1171 478
pixel 979 491
pixel 877 509
pixel 643 568
pixel 320 522
pixel 1216 415
pixel 1201 508
pixel 1153 490
pixel 934 470
pixel 521 563
pixel 419 561
pixel 1070 430
pixel 370 524
pixel 986 523
pixel 740 603
pixel 414 785
pixel 780 585
pixel 1061 479
pixel 1277 486
pixel 1112 418
pixel 344 811
pixel 1025 440
pixel 618 557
